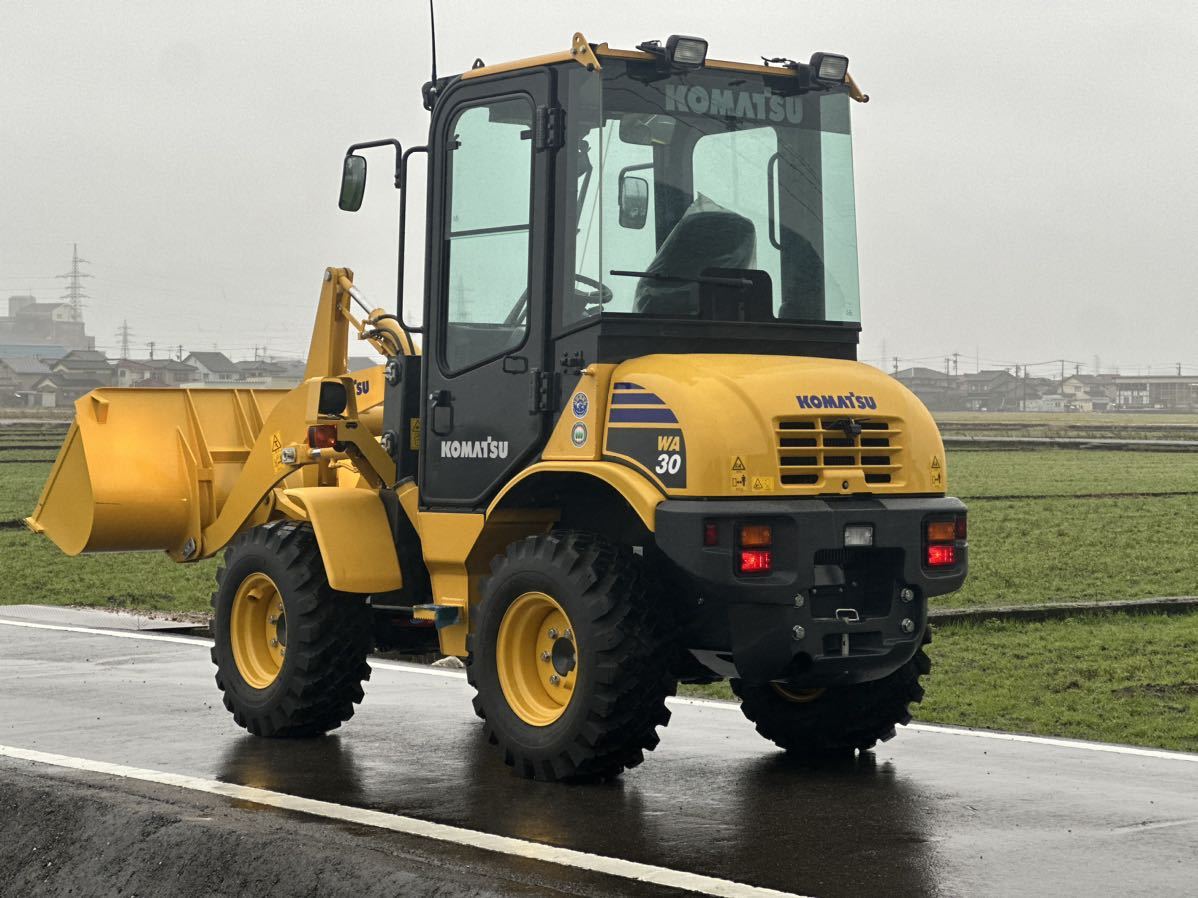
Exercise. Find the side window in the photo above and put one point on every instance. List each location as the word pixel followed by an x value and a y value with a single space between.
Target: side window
pixel 487 231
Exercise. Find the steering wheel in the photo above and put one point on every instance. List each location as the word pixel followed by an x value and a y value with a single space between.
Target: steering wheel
pixel 600 293
pixel 591 302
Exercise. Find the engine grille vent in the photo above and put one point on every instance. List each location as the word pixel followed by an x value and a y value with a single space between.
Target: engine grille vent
pixel 808 448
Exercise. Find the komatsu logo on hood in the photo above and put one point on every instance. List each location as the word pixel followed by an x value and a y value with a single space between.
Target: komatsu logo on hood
pixel 836 400
pixel 764 106
pixel 487 448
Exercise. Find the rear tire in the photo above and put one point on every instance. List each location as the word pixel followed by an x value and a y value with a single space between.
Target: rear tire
pixel 290 652
pixel 608 650
pixel 839 719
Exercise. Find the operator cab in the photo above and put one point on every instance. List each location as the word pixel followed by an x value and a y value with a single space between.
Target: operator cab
pixel 599 205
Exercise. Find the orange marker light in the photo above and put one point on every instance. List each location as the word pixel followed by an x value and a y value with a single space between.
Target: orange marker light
pixel 756 535
pixel 942 531
pixel 322 436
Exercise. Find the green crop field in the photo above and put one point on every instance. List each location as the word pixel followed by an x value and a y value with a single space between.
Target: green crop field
pixel 1069 472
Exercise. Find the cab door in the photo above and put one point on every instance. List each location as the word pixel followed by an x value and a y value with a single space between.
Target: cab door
pixel 486 348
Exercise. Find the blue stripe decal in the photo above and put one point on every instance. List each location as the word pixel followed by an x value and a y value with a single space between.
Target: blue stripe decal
pixel 636 399
pixel 642 416
pixel 624 385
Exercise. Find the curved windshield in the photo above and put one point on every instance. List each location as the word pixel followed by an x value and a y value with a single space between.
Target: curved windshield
pixel 709 194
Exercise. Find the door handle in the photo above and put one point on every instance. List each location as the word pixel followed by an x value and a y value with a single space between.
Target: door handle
pixel 440 412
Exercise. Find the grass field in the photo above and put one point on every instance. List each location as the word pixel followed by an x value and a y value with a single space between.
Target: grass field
pixel 1022 551
pixel 1135 419
pixel 1112 678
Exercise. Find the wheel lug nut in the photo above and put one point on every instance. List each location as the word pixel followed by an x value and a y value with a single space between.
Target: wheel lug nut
pixel 555 679
pixel 544 656
pixel 274 643
pixel 552 633
pixel 568 634
pixel 908 625
pixel 274 618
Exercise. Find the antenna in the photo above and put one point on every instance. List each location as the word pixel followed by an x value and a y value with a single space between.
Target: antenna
pixel 432 30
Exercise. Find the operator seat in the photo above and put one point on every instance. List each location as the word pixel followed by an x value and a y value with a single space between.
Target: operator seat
pixel 707 236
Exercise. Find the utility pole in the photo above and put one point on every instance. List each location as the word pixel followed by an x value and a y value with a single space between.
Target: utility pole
pixel 151 344
pixel 896 366
pixel 1179 369
pixel 124 332
pixel 75 295
pixel 956 359
pixel 179 353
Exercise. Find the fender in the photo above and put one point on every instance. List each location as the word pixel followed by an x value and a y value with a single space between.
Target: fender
pixel 354 536
pixel 638 492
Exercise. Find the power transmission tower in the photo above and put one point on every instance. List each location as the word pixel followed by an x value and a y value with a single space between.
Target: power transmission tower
pixel 75 295
pixel 151 344
pixel 124 332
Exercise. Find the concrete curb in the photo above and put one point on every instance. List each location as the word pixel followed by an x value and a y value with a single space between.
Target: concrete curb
pixel 1062 610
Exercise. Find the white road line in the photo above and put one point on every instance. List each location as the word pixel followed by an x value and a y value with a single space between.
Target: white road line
pixel 120 634
pixel 566 857
pixel 1159 754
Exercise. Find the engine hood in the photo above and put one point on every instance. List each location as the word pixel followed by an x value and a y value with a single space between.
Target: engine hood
pixel 748 425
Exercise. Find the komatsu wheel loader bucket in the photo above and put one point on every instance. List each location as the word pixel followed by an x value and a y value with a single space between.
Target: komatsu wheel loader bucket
pixel 148 468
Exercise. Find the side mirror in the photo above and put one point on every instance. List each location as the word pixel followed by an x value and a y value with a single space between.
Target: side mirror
pixel 353 183
pixel 634 202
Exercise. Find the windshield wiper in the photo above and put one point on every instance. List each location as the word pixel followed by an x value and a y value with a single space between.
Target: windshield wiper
pixel 685 279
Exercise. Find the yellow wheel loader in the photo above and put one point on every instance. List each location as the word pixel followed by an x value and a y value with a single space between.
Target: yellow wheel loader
pixel 628 445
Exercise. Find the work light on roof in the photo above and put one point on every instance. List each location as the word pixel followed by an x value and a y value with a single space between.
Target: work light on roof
pixel 829 68
pixel 686 52
pixel 680 51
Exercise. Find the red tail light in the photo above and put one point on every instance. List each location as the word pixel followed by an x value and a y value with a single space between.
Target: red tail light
pixel 711 533
pixel 322 436
pixel 942 556
pixel 755 561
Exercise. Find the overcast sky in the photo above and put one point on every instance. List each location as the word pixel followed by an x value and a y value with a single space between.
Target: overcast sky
pixel 1027 171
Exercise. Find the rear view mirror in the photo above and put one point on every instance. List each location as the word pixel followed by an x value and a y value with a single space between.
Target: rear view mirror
pixel 353 183
pixel 647 128
pixel 634 202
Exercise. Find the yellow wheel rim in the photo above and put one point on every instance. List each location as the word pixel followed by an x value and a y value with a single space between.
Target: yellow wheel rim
pixel 258 630
pixel 798 696
pixel 537 658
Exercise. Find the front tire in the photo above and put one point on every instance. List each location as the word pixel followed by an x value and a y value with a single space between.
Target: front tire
pixel 829 723
pixel 290 652
pixel 570 658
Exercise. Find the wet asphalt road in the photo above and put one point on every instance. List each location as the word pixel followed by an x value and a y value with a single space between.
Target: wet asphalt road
pixel 929 813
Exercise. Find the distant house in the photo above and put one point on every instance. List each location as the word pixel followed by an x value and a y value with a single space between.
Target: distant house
pixel 18 374
pixel 260 369
pixel 1049 402
pixel 935 389
pixel 153 372
pixel 214 368
pixel 57 390
pixel 85 363
pixel 1089 392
